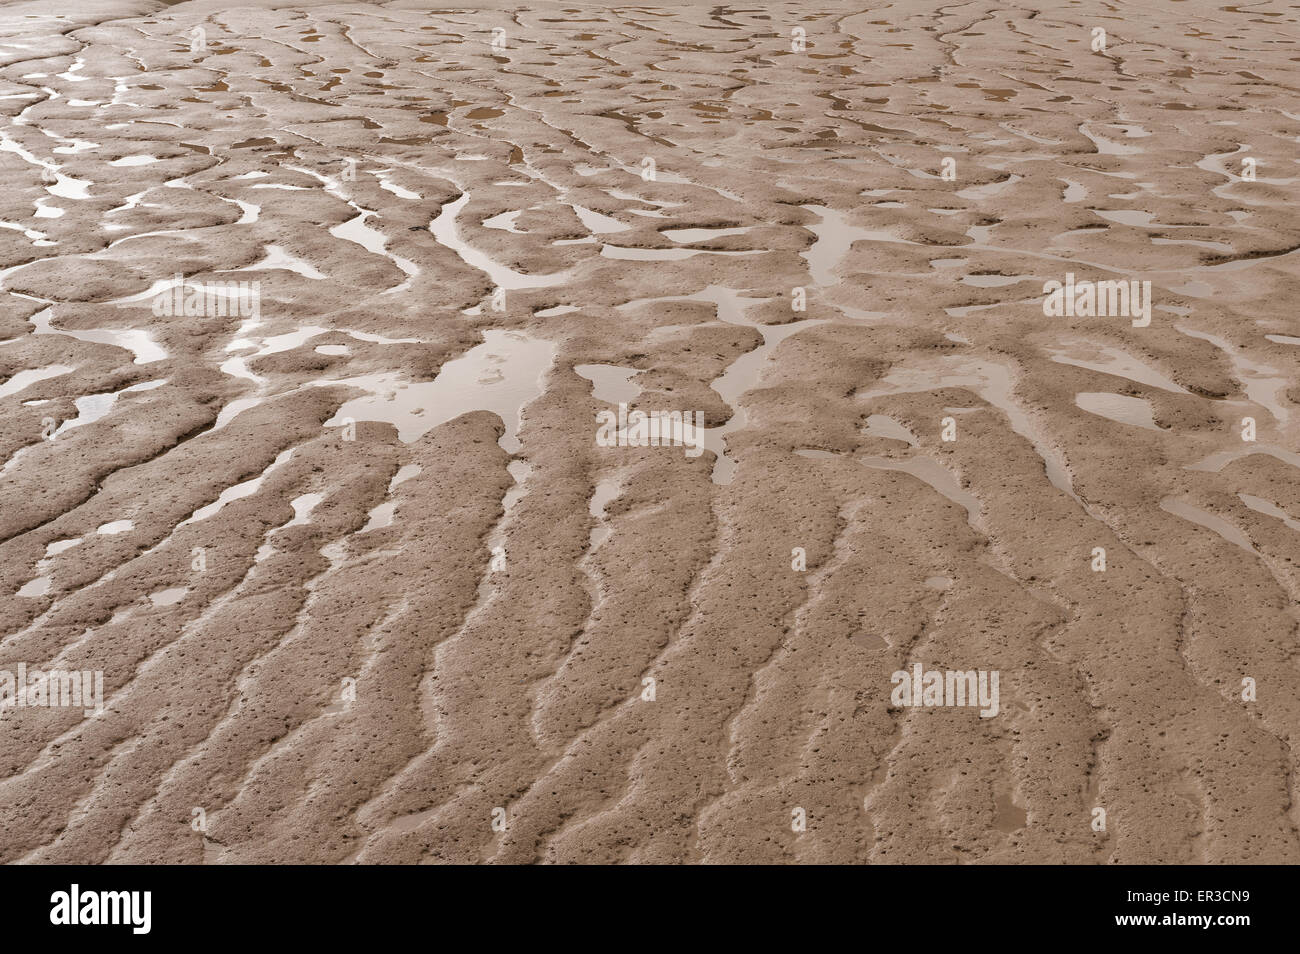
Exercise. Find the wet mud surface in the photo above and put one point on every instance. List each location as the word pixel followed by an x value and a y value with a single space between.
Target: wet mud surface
pixel 364 586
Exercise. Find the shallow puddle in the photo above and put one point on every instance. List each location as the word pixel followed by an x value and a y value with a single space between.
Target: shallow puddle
pixel 741 375
pixel 443 228
pixel 1262 383
pixel 988 190
pixel 506 222
pixel 610 383
pixel 1210 521
pixel 881 425
pixel 1108 147
pixel 1074 191
pixel 168 597
pixel 36 588
pixel 631 254
pixel 992 381
pixel 606 491
pixel 1117 407
pixel 598 223
pixel 139 343
pixel 502 375
pixel 814 454
pixel 687 236
pixel 382 515
pixel 835 236
pixel 93 407
pixel 277 257
pixel 372 240
pixel 1220 459
pixel 24 379
pixel 936 475
pixel 1268 508
pixel 400 191
pixel 1093 356
pixel 994 281
pixel 237 492
pixel 303 505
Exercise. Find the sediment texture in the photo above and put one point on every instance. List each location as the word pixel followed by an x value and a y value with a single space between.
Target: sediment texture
pixel 275 534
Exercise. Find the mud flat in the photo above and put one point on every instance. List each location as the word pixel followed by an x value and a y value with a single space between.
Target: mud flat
pixel 361 582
